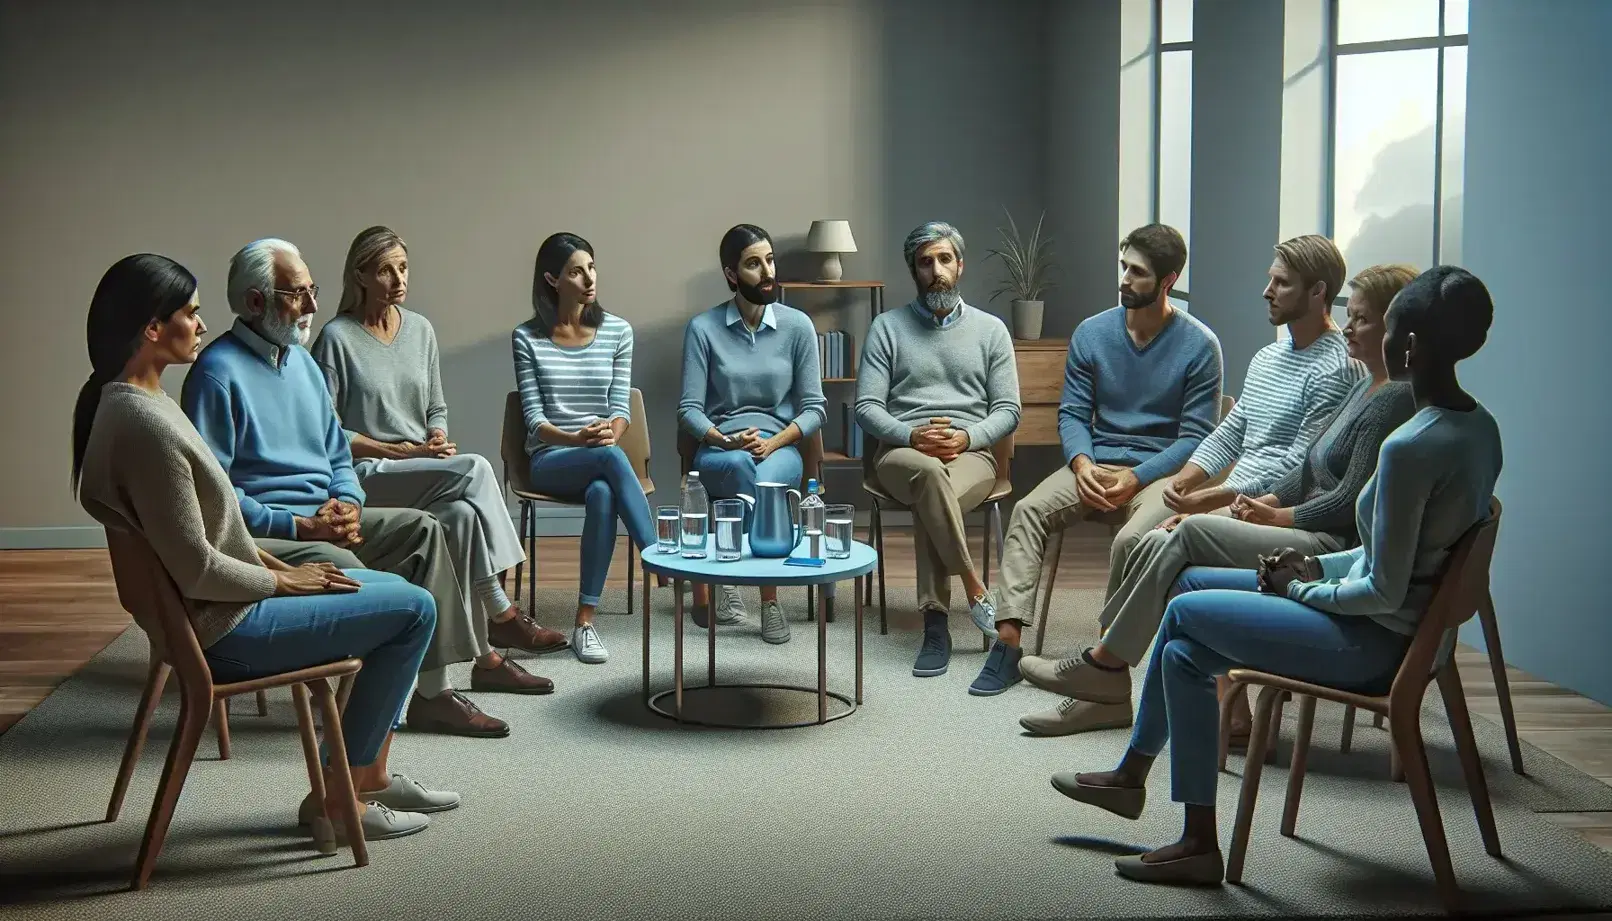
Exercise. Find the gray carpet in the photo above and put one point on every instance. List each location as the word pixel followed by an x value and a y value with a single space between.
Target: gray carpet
pixel 926 803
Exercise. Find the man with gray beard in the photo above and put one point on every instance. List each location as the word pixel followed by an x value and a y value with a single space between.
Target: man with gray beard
pixel 938 386
pixel 259 401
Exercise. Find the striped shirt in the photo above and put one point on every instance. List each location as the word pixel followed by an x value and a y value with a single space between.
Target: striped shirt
pixel 1288 397
pixel 569 387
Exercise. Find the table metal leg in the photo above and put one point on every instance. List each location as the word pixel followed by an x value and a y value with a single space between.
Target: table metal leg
pixel 710 638
pixel 677 655
pixel 858 640
pixel 646 632
pixel 822 662
pixel 811 603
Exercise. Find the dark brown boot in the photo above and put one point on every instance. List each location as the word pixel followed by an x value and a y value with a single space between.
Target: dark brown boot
pixel 508 677
pixel 522 632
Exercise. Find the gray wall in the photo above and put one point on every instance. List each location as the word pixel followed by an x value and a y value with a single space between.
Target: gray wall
pixel 1537 194
pixel 476 130
pixel 1236 168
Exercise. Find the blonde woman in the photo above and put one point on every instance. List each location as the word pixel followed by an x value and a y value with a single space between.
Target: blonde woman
pixel 381 366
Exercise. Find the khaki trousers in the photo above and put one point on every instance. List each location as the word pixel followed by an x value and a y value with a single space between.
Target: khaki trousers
pixel 411 544
pixel 1050 508
pixel 1132 614
pixel 939 494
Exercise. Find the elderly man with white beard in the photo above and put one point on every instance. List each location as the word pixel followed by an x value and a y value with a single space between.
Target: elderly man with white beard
pixel 938 386
pixel 260 403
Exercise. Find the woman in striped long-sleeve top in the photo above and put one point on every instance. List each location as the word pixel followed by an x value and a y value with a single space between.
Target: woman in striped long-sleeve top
pixel 573 365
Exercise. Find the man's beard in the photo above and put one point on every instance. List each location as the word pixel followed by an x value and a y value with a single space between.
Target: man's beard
pixel 1133 300
pixel 942 296
pixel 758 295
pixel 1282 317
pixel 285 333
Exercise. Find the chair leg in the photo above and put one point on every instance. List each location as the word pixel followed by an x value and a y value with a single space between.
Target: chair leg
pixel 193 710
pixel 1449 684
pixel 344 690
pixel 221 724
pixel 262 703
pixel 632 554
pixel 1276 729
pixel 156 677
pixel 1377 721
pixel 324 837
pixel 1252 766
pixel 1502 686
pixel 1348 729
pixel 1406 732
pixel 336 745
pixel 1295 773
pixel 1049 573
pixel 521 565
pixel 531 557
pixel 986 531
pixel 878 548
pixel 1232 694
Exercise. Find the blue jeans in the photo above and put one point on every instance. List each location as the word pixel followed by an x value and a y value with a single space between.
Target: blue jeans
pixel 602 479
pixel 1221 621
pixel 387 623
pixel 728 473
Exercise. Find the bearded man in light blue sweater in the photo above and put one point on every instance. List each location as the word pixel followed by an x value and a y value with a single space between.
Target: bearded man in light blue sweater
pixel 938 387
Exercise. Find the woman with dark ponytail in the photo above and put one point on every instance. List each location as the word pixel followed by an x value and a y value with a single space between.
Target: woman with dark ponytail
pixel 140 466
pixel 573 365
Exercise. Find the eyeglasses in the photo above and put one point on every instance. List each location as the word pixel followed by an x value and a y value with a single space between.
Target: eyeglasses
pixel 296 294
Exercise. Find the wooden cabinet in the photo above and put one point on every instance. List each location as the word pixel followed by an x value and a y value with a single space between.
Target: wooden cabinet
pixel 1041 365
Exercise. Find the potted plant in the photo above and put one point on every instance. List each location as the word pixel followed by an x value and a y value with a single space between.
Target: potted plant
pixel 1028 263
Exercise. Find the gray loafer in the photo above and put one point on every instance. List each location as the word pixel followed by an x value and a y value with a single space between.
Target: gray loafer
pixel 1125 802
pixel 1197 870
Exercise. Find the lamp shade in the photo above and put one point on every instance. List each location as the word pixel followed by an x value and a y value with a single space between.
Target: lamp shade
pixel 830 237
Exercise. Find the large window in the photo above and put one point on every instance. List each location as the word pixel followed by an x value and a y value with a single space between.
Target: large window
pixel 1156 120
pixel 1396 128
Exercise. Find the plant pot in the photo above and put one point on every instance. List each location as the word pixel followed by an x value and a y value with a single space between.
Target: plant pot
pixel 1027 319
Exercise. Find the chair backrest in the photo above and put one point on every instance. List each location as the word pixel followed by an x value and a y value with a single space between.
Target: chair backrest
pixel 512 443
pixel 148 593
pixel 1462 585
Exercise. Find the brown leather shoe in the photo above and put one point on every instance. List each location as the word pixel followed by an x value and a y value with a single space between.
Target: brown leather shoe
pixel 509 677
pixel 452 713
pixel 522 632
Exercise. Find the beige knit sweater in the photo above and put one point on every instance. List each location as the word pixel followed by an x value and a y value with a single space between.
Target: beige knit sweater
pixel 147 470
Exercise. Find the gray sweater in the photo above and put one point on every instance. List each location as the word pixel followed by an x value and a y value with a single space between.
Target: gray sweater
pixel 147 470
pixel 913 371
pixel 1322 490
pixel 391 393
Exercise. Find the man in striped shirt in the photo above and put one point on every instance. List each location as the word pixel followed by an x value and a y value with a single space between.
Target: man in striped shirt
pixel 1291 389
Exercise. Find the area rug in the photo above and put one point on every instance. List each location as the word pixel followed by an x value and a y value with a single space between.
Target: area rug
pixel 925 803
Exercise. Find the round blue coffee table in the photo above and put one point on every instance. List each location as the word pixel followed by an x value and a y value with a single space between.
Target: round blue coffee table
pixel 750 570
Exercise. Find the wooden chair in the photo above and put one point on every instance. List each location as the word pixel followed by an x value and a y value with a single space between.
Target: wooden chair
pixel 1002 451
pixel 1461 588
pixel 517 478
pixel 1114 520
pixel 149 595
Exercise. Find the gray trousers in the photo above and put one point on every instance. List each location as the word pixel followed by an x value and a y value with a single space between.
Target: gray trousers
pixel 1131 617
pixel 465 496
pixel 409 543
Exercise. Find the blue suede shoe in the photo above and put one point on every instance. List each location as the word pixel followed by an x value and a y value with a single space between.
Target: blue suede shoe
pixel 936 651
pixel 1001 671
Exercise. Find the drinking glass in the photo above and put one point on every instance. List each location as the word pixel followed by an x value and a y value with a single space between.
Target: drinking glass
pixel 838 521
pixel 728 519
pixel 666 524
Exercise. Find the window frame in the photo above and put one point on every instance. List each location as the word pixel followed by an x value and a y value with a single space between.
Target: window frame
pixel 1329 146
pixel 1159 49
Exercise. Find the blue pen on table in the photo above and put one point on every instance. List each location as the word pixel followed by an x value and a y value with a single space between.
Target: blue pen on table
pixel 802 561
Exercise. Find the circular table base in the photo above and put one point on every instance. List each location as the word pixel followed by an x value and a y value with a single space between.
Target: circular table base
pixel 747 706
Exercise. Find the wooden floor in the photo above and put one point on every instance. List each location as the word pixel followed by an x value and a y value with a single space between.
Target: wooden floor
pixel 59 608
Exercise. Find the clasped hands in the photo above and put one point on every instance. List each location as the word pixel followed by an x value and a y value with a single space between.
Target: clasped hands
pixel 437 445
pixel 939 440
pixel 1103 489
pixel 1284 567
pixel 336 522
pixel 751 439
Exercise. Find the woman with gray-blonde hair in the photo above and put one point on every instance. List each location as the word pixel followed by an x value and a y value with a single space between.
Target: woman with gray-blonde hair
pixel 381 366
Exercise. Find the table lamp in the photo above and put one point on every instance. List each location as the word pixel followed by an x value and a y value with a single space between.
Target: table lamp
pixel 830 238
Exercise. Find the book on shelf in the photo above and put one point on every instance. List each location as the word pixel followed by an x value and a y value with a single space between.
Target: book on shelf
pixel 851 441
pixel 835 354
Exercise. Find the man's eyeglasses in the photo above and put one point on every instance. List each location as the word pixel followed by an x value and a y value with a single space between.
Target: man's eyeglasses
pixel 297 294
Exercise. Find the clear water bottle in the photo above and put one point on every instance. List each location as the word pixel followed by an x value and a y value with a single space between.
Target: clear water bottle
pixel 812 514
pixel 696 518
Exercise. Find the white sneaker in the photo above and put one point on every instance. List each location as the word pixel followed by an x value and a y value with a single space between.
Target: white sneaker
pixel 586 644
pixel 774 626
pixel 731 610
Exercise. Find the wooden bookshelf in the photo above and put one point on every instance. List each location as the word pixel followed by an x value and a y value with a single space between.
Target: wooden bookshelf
pixel 875 290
